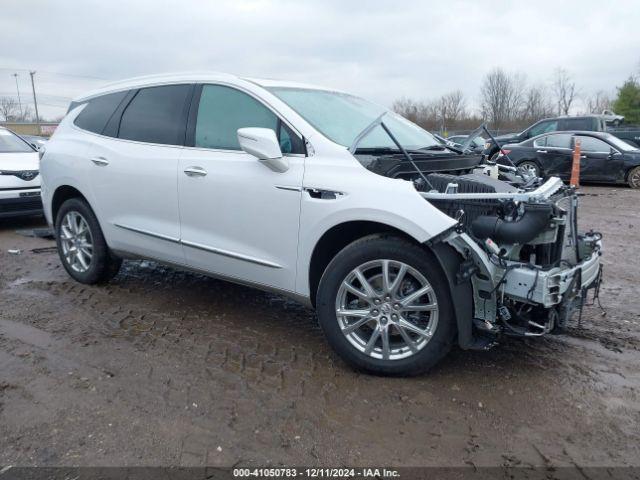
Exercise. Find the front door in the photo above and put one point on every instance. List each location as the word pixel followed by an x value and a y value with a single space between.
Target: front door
pixel 597 161
pixel 134 176
pixel 239 219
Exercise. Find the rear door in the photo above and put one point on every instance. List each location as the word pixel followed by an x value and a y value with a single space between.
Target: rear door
pixel 133 176
pixel 554 154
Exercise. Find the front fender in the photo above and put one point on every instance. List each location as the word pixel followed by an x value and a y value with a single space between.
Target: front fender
pixel 370 198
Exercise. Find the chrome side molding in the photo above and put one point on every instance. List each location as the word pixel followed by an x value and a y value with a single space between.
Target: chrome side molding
pixel 199 246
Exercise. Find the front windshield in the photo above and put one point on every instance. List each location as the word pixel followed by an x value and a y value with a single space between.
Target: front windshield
pixel 341 117
pixel 10 143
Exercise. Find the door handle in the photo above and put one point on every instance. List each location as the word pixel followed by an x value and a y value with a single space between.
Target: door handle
pixel 100 161
pixel 541 151
pixel 583 156
pixel 195 172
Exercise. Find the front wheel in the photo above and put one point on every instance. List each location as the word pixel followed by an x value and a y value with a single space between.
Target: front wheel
pixel 81 245
pixel 634 178
pixel 384 306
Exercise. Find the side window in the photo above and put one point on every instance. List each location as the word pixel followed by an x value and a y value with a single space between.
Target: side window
pixel 223 110
pixel 156 115
pixel 591 144
pixel 540 142
pixel 96 114
pixel 543 127
pixel 577 124
pixel 561 140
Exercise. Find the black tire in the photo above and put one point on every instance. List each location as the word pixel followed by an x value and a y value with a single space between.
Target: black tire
pixel 633 178
pixel 389 247
pixel 103 265
pixel 532 165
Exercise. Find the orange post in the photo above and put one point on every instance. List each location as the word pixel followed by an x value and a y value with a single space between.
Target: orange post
pixel 575 166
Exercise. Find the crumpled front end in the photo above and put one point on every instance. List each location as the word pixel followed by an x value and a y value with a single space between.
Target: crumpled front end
pixel 529 265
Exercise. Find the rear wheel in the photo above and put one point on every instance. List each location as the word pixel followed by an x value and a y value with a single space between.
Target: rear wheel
pixel 530 167
pixel 384 306
pixel 633 179
pixel 81 245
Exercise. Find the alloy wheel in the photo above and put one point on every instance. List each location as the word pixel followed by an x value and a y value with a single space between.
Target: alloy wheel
pixel 530 168
pixel 387 309
pixel 76 242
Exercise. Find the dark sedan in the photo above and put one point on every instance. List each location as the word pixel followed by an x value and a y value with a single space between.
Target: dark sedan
pixel 604 157
pixel 477 144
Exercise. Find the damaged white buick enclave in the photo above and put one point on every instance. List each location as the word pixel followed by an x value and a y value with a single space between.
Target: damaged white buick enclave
pixel 402 245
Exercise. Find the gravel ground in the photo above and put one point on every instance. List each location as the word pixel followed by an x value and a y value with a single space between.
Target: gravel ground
pixel 162 367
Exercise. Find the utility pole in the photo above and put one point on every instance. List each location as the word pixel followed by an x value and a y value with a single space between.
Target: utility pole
pixel 35 101
pixel 18 90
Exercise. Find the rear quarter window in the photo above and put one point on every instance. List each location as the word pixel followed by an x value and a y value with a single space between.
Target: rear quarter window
pixel 96 114
pixel 560 140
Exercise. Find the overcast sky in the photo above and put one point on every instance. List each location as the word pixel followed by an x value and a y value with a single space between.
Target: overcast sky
pixel 378 49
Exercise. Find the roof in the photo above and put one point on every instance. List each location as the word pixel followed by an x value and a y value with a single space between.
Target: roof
pixel 271 82
pixel 188 77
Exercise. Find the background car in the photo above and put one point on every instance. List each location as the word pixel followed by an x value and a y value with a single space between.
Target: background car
pixel 477 144
pixel 611 117
pixel 604 157
pixel 19 177
pixel 592 123
pixel 35 140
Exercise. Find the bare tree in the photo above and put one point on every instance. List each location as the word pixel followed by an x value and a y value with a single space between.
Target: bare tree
pixel 564 89
pixel 598 102
pixel 537 104
pixel 408 108
pixel 9 109
pixel 502 97
pixel 450 108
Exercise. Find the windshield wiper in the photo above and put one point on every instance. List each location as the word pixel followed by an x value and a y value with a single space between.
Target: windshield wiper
pixel 374 124
pixel 406 154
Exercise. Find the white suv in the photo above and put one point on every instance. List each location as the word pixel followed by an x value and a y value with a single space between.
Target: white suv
pixel 402 245
pixel 19 180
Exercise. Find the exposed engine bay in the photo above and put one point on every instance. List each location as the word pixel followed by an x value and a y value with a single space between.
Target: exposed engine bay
pixel 518 235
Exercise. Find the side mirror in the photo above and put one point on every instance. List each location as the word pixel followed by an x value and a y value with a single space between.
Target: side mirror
pixel 263 144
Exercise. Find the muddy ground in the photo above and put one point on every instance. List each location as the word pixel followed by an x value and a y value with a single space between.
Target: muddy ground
pixel 162 367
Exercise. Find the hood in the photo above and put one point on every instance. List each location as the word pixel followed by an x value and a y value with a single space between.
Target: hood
pixel 11 162
pixel 19 161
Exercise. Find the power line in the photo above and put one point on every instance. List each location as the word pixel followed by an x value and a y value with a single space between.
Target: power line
pixel 60 103
pixel 54 97
pixel 91 77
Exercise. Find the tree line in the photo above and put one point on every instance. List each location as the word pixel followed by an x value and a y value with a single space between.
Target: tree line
pixel 508 102
pixel 11 111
